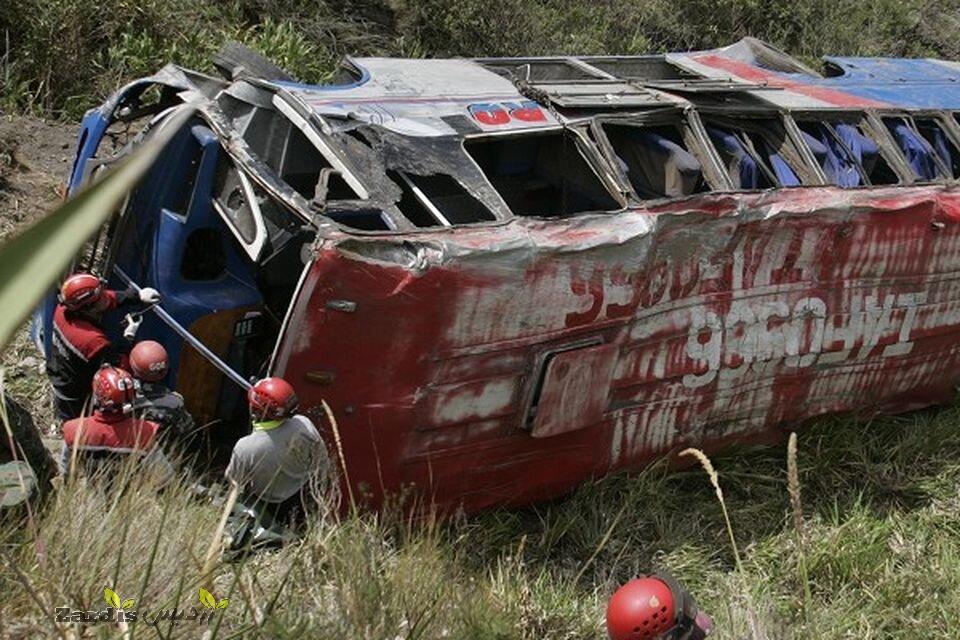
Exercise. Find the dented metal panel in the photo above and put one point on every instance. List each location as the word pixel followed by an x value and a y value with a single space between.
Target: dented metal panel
pixel 413 97
pixel 729 316
pixel 793 93
pixel 503 359
pixel 574 390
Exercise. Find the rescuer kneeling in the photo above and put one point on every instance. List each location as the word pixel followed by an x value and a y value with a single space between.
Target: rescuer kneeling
pixel 272 465
pixel 111 434
pixel 79 344
pixel 155 401
pixel 655 608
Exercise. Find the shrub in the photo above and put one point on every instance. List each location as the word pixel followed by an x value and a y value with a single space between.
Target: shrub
pixel 66 55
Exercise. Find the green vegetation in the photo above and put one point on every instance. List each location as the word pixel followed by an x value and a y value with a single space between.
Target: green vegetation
pixel 882 550
pixel 877 503
pixel 40 253
pixel 63 56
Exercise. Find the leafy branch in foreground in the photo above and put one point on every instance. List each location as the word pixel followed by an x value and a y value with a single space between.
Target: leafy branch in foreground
pixel 34 259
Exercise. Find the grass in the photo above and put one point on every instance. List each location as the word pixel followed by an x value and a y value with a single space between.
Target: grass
pixel 60 57
pixel 880 535
pixel 872 551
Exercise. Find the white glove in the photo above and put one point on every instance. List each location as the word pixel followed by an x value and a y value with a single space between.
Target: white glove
pixel 149 295
pixel 133 324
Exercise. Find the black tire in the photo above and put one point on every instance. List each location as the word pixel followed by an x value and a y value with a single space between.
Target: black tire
pixel 235 60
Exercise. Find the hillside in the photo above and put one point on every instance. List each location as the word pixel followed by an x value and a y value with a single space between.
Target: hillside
pixel 62 56
pixel 879 512
pixel 879 500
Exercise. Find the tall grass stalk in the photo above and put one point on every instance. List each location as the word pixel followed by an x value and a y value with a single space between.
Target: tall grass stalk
pixel 153 554
pixel 210 558
pixel 340 456
pixel 603 543
pixel 715 481
pixel 43 607
pixel 793 488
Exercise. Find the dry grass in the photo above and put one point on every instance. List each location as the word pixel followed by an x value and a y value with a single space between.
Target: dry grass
pixel 715 482
pixel 878 531
pixel 873 551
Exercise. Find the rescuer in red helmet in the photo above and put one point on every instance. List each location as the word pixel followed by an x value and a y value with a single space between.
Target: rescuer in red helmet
pixel 655 608
pixel 155 401
pixel 274 462
pixel 111 434
pixel 79 345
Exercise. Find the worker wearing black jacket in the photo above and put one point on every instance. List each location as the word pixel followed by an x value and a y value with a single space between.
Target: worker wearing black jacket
pixel 79 345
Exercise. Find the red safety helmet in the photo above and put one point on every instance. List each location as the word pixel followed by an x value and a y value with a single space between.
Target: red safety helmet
pixel 272 399
pixel 80 291
pixel 112 389
pixel 643 608
pixel 149 362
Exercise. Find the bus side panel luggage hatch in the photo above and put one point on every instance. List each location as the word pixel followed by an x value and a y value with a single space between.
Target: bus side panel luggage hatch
pixel 572 389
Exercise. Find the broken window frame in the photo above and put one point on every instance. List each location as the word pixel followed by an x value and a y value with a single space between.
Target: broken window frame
pixel 656 67
pixel 429 206
pixel 694 138
pixel 591 155
pixel 948 124
pixel 943 121
pixel 253 247
pixel 750 121
pixel 255 169
pixel 531 70
pixel 395 172
pixel 285 108
pixel 867 124
pixel 318 133
pixel 397 220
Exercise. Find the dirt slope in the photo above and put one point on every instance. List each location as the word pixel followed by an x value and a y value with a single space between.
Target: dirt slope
pixel 35 157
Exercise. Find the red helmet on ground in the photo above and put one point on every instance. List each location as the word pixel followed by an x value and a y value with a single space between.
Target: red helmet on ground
pixel 81 290
pixel 641 609
pixel 112 389
pixel 272 399
pixel 149 362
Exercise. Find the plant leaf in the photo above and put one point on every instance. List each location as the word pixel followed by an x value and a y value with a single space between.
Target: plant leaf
pixel 111 598
pixel 33 260
pixel 223 603
pixel 128 603
pixel 207 599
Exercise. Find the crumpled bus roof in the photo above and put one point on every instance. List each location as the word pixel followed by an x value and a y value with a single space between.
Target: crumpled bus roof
pixel 922 83
pixel 431 97
pixel 416 97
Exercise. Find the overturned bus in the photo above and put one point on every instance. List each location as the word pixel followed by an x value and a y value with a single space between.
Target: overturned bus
pixel 507 276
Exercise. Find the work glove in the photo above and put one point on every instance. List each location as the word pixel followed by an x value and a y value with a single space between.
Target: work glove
pixel 149 295
pixel 133 324
pixel 128 294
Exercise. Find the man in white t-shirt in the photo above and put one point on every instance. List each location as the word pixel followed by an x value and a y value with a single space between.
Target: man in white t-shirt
pixel 273 463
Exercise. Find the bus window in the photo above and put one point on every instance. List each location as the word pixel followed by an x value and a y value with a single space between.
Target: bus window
pixel 543 174
pixel 920 154
pixel 754 157
pixel 848 156
pixel 656 160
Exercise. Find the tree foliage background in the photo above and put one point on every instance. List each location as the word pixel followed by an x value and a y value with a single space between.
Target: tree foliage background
pixel 879 557
pixel 62 56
